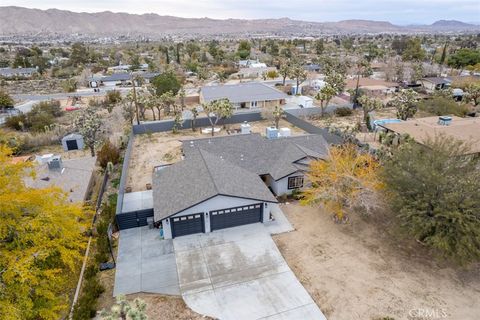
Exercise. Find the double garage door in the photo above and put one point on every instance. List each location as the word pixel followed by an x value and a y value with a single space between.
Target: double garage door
pixel 237 216
pixel 219 219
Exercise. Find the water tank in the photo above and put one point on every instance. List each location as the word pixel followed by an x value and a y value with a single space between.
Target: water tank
pixel 245 128
pixel 271 132
pixel 285 132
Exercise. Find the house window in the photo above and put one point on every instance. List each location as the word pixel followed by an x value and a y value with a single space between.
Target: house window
pixel 295 182
pixel 253 104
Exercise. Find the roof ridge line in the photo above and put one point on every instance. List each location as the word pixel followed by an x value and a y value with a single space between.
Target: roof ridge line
pixel 208 169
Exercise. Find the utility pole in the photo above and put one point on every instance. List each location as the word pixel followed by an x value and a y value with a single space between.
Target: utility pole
pixel 135 98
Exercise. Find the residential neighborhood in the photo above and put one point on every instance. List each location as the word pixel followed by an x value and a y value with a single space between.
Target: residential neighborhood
pixel 218 161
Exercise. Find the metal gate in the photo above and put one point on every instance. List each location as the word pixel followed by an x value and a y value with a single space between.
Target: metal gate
pixel 133 219
pixel 185 225
pixel 237 216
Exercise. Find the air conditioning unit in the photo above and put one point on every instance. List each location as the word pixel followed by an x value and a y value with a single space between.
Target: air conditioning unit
pixel 285 132
pixel 245 128
pixel 271 133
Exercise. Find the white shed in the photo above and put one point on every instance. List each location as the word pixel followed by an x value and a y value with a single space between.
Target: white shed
pixel 73 141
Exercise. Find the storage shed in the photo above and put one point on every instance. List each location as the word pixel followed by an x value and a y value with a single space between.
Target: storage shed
pixel 73 141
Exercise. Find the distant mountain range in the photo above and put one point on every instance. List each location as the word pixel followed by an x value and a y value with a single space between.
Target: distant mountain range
pixel 24 21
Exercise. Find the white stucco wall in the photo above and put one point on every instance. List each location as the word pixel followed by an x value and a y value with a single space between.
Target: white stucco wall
pixel 215 203
pixel 281 186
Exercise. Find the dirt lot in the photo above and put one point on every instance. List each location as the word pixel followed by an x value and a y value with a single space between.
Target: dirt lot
pixel 150 150
pixel 361 271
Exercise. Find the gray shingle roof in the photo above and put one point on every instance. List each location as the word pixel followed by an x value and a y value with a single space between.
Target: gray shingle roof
pixel 260 155
pixel 243 92
pixel 200 177
pixel 126 76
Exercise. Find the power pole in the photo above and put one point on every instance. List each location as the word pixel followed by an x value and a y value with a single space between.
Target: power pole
pixel 135 98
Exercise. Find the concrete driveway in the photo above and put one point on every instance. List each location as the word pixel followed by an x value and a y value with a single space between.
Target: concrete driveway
pixel 145 263
pixel 239 273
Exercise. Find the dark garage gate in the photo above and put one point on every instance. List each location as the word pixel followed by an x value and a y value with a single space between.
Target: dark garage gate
pixel 133 219
pixel 236 216
pixel 184 225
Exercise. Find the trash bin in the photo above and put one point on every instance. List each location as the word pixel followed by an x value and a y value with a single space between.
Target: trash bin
pixel 150 222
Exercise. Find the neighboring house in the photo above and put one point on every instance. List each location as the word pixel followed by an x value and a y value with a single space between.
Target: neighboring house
pixel 369 83
pixel 434 83
pixel 73 176
pixel 251 64
pixel 312 67
pixel 422 129
pixel 126 67
pixel 18 72
pixel 254 72
pixel 123 79
pixel 249 95
pixel 230 181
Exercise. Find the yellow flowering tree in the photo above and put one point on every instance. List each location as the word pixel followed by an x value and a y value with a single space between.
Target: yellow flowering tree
pixel 41 245
pixel 348 179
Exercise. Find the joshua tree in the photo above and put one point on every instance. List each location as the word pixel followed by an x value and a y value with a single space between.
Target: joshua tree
pixel 216 110
pixel 88 124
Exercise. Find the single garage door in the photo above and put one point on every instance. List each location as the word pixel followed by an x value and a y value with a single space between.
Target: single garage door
pixel 181 226
pixel 237 216
pixel 72 145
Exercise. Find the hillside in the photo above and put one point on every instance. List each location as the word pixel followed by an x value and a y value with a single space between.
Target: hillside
pixel 24 21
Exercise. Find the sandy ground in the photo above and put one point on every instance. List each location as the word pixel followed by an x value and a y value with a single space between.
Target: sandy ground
pixel 150 150
pixel 357 117
pixel 362 271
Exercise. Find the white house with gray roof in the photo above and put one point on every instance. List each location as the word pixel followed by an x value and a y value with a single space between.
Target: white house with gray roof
pixel 249 95
pixel 230 181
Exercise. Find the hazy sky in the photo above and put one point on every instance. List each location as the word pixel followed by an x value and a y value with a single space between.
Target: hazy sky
pixel 400 12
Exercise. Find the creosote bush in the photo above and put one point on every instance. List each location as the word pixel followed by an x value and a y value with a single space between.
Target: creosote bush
pixel 108 153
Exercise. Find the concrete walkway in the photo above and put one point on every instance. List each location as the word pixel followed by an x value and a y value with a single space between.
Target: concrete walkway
pixel 239 273
pixel 145 263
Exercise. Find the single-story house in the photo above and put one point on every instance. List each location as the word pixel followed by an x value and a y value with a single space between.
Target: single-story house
pixel 434 83
pixel 17 72
pixel 422 129
pixel 254 72
pixel 249 63
pixel 230 181
pixel 122 79
pixel 372 83
pixel 73 176
pixel 248 95
pixel 312 67
pixel 127 67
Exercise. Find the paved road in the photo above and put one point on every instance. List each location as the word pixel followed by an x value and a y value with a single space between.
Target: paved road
pixel 60 96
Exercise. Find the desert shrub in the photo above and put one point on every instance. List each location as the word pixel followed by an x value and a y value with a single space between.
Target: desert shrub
pixel 41 139
pixel 38 119
pixel 86 306
pixel 38 122
pixel 51 107
pixel 6 100
pixel 108 153
pixel 441 106
pixel 12 140
pixel 343 112
pixel 16 122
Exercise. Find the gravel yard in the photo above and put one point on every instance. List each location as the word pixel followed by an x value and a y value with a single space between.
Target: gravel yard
pixel 154 149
